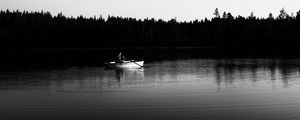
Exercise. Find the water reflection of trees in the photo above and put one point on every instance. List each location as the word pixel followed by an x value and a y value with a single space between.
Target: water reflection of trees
pixel 72 79
pixel 229 71
pixel 288 73
pixel 226 72
pixel 69 79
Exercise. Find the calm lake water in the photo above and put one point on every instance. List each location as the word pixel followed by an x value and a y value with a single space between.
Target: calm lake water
pixel 208 89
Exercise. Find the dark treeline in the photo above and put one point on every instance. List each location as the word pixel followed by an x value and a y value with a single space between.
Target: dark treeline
pixel 224 35
pixel 42 30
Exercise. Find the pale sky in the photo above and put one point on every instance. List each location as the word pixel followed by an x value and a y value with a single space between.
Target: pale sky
pixel 164 9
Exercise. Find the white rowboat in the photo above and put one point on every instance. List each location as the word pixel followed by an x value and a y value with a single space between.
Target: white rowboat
pixel 125 64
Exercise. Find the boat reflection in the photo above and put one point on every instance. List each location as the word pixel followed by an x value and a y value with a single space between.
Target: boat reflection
pixel 129 76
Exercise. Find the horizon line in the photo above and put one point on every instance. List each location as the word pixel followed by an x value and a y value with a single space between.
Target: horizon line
pixel 145 18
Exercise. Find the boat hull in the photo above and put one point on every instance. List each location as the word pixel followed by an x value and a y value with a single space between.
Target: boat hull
pixel 126 64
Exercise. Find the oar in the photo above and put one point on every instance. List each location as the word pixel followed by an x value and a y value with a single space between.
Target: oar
pixel 135 63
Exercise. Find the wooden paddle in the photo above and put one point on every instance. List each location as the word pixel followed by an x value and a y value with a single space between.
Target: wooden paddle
pixel 135 63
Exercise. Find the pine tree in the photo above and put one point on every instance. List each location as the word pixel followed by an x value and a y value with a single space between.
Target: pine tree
pixel 298 15
pixel 224 15
pixel 271 16
pixel 283 14
pixel 252 16
pixel 216 13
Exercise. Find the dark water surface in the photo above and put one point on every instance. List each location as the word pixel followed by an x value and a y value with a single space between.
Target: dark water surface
pixel 208 89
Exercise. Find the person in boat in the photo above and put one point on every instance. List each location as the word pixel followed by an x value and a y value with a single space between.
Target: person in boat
pixel 120 58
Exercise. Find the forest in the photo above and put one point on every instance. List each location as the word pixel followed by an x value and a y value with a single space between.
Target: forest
pixel 23 29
